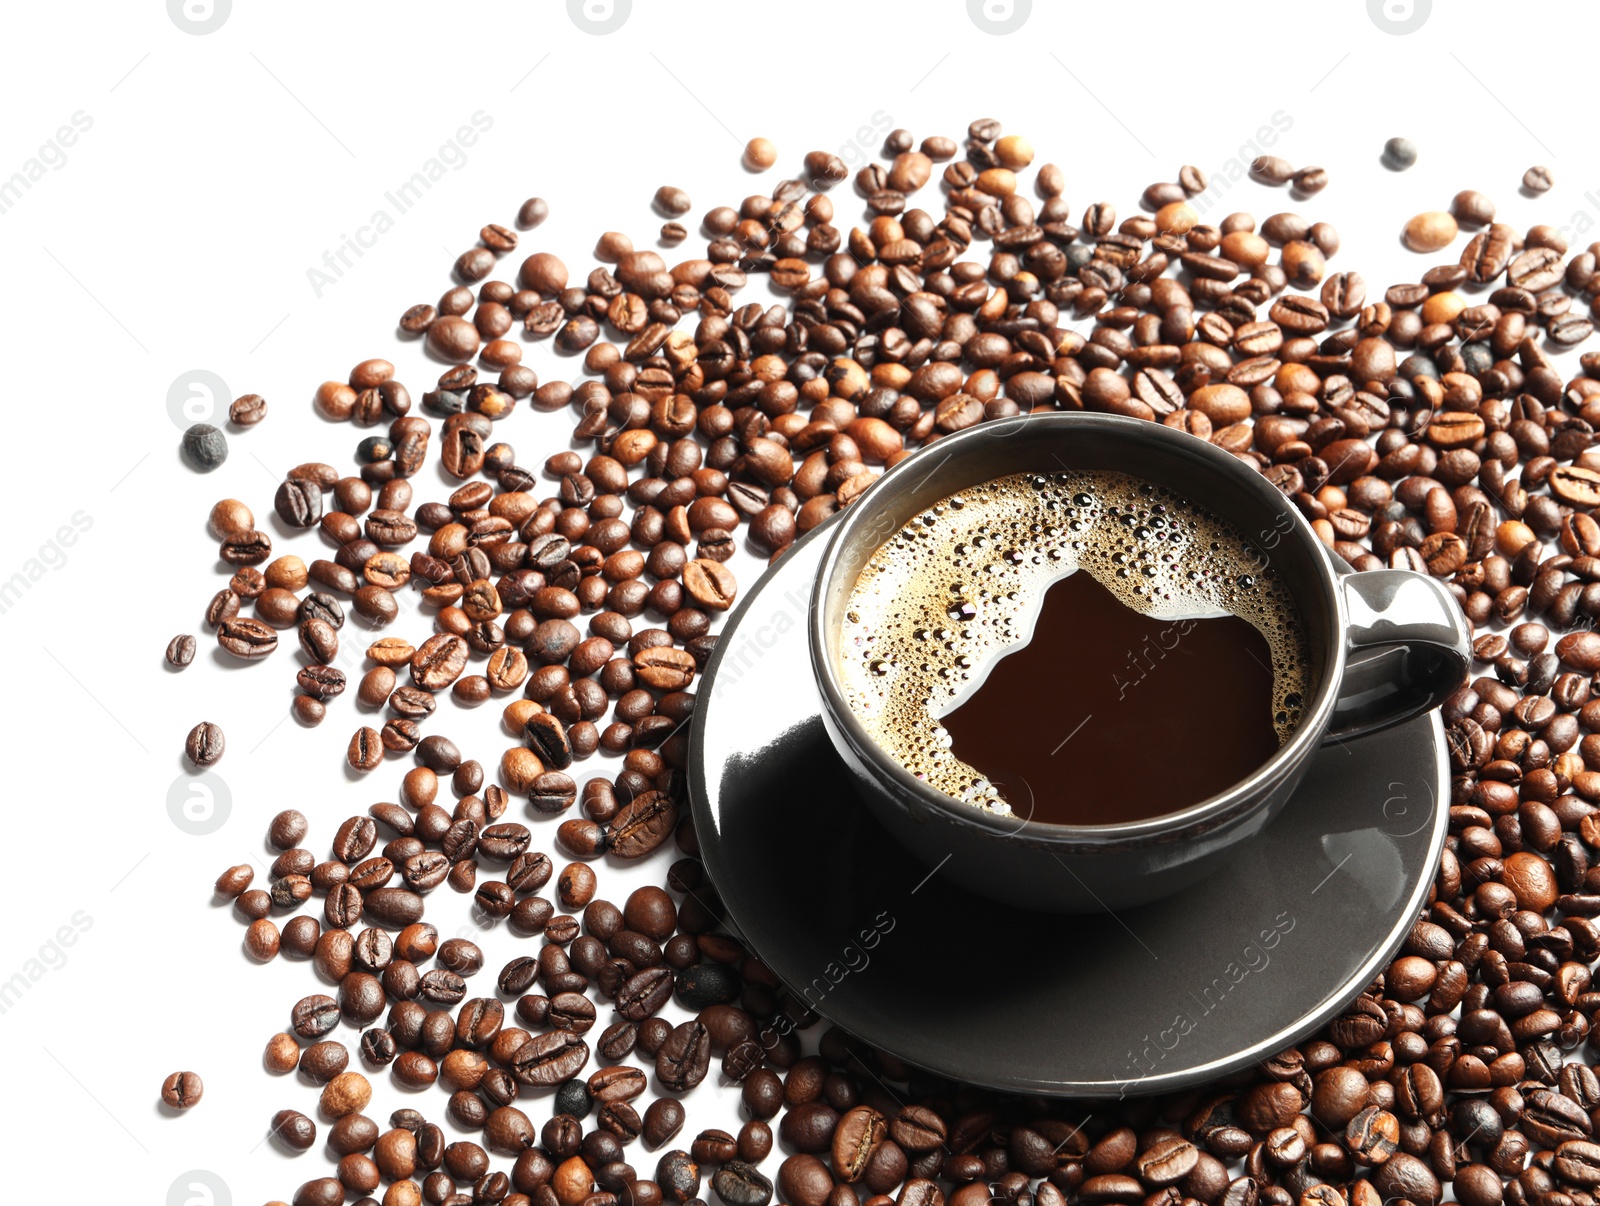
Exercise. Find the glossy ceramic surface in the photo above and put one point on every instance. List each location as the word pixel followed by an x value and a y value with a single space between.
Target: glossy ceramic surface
pixel 1252 958
pixel 1382 647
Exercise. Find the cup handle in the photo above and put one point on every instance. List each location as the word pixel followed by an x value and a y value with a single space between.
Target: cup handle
pixel 1408 650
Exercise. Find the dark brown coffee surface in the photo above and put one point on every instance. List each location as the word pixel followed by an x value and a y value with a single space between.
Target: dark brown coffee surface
pixel 959 587
pixel 1107 715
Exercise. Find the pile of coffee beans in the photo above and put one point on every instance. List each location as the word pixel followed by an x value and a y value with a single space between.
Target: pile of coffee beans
pixel 1427 428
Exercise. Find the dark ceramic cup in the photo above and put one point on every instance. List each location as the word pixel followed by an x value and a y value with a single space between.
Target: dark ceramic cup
pixel 1385 645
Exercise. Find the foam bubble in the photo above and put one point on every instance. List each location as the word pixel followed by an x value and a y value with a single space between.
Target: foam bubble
pixel 960 584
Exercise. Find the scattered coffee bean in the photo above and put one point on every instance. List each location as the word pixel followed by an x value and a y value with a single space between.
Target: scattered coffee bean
pixel 204 447
pixel 1399 154
pixel 204 745
pixel 282 1054
pixel 1271 169
pixel 671 201
pixel 1430 231
pixel 247 410
pixel 662 1122
pixel 1472 209
pixel 1309 181
pixel 182 1091
pixel 759 154
pixel 294 1130
pixel 229 516
pixel 180 651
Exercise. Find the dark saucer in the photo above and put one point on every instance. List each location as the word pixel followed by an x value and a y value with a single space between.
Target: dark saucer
pixel 1176 992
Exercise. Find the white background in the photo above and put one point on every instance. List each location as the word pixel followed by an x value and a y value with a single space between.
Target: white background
pixel 178 233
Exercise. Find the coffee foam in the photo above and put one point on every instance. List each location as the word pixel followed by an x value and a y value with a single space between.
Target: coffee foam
pixel 956 588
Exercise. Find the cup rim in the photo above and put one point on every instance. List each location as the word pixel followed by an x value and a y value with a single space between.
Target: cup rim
pixel 1241 798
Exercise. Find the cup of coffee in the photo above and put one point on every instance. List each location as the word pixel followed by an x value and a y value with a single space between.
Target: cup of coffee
pixel 1070 660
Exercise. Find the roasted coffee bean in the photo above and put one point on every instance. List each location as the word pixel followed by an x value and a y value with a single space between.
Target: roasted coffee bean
pixel 642 825
pixel 225 604
pixel 261 938
pixel 298 502
pixel 288 829
pixel 204 745
pixel 619 1119
pixel 710 584
pixel 343 907
pixel 204 447
pixel 246 639
pixel 1551 1119
pixel 394 908
pixel 438 661
pixel 662 1120
pixel 546 736
pixel 1399 154
pixel 549 1059
pixel 645 994
pixel 860 1132
pixel 247 410
pixel 573 1012
pixel 378 1048
pixel 504 842
pixel 246 548
pixel 708 984
pixel 678 1175
pixel 1537 180
pixel 618 1041
pixel 182 1091
pixel 1372 1135
pixel 365 751
pixel 714 1147
pixel 315 1016
pixel 1577 1162
pixel 808 1128
pixel 321 1062
pixel 180 651
pixel 685 1057
pixel 294 1130
pixel 618 1083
